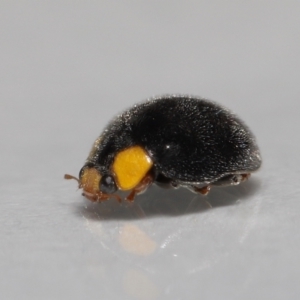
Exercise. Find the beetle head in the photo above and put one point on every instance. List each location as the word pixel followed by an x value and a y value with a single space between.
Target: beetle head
pixel 95 187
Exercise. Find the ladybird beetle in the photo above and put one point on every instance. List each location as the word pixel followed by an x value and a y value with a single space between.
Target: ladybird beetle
pixel 173 141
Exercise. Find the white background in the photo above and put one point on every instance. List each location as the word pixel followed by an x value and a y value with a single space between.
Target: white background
pixel 68 67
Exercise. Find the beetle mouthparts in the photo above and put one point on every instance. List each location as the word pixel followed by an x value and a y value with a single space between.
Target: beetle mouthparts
pixel 100 197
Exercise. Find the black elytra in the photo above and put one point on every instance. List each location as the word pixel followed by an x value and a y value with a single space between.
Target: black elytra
pixel 191 141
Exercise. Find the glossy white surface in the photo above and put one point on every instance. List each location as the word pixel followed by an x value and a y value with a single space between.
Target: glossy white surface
pixel 66 69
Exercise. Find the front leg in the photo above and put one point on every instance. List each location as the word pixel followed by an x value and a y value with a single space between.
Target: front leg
pixel 100 197
pixel 141 187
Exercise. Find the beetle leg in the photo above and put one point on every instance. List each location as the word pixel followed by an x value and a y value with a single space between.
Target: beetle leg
pixel 100 197
pixel 245 176
pixel 204 190
pixel 95 197
pixel 116 197
pixel 141 187
pixel 232 179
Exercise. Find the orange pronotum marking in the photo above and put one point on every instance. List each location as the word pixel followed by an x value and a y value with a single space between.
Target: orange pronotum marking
pixel 89 181
pixel 131 166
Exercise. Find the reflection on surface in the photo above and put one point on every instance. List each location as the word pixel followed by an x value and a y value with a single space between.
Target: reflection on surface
pixel 137 285
pixel 136 241
pixel 156 202
pixel 169 236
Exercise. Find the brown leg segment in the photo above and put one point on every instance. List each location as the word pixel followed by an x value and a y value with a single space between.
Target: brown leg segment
pixel 141 187
pixel 245 177
pixel 204 190
pixel 232 179
pixel 99 197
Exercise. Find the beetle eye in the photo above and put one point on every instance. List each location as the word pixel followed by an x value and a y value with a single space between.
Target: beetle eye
pixel 107 184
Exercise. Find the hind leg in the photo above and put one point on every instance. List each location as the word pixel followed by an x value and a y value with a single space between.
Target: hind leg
pixel 203 190
pixel 232 179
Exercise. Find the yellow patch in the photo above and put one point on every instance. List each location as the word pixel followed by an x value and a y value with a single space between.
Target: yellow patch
pixel 130 167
